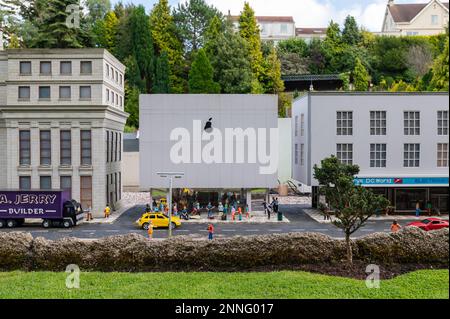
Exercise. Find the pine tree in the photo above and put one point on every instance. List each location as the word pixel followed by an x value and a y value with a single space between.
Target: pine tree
pixel 360 76
pixel 249 31
pixel 440 79
pixel 162 81
pixel 273 83
pixel 166 39
pixel 351 34
pixel 53 29
pixel 106 32
pixel 201 75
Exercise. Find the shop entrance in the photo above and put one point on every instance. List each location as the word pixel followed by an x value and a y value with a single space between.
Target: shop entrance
pixel 439 199
pixel 406 198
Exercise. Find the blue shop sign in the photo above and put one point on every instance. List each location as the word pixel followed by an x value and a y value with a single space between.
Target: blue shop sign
pixel 367 181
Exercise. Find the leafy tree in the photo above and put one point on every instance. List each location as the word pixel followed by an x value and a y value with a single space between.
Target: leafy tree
pixel 249 31
pixel 333 48
pixel 293 45
pixel 97 9
pixel 360 77
pixel 351 34
pixel 162 81
pixel 106 31
pixel 440 79
pixel 201 75
pixel 292 63
pixel 352 204
pixel 166 39
pixel 132 106
pixel 229 56
pixel 192 19
pixel 419 59
pixel 317 59
pixel 401 86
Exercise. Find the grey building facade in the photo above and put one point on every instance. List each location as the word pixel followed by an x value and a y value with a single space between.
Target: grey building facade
pixel 61 123
pixel 399 141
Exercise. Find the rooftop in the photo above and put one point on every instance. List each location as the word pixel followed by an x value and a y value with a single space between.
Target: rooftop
pixel 285 19
pixel 405 12
pixel 300 31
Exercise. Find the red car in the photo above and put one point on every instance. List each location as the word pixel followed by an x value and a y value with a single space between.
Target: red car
pixel 430 224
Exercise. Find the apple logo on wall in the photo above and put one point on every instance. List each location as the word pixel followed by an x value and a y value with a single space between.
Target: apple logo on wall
pixel 208 126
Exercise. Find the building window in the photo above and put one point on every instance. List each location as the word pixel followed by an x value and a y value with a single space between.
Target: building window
pixel 25 68
pixel 25 182
pixel 344 153
pixel 411 122
pixel 65 67
pixel 442 155
pixel 65 92
pixel 86 156
pixel 111 155
pixel 116 145
pixel 377 155
pixel 45 182
pixel 302 154
pixel 85 67
pixel 112 97
pixel 24 148
pixel 112 73
pixel 66 147
pixel 344 123
pixel 45 68
pixel 120 79
pixel 283 28
pixel 86 191
pixel 411 155
pixel 66 184
pixel 377 122
pixel 85 92
pixel 296 153
pixel 442 121
pixel 296 126
pixel 107 69
pixel 121 101
pixel 120 146
pixel 434 19
pixel 107 146
pixel 120 185
pixel 45 147
pixel 117 76
pixel 107 95
pixel 302 124
pixel 24 93
pixel 44 92
pixel 117 99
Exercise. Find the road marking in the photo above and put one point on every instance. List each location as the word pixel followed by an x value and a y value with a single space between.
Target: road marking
pixel 367 229
pixel 252 230
pixel 112 230
pixel 65 231
pixel 321 229
pixel 182 230
pixel 228 229
pixel 39 231
pixel 275 230
pixel 299 229
pixel 88 231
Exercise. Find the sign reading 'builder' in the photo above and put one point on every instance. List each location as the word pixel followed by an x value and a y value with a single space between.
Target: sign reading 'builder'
pixel 218 141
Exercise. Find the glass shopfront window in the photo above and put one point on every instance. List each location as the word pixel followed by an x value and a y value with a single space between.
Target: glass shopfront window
pixel 439 199
pixel 406 198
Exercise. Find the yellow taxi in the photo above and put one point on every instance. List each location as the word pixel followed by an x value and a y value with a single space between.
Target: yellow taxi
pixel 157 220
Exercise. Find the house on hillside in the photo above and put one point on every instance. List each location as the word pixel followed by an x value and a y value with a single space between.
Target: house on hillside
pixel 415 18
pixel 273 28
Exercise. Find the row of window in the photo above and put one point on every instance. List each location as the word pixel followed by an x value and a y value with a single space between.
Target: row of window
pixel 65 92
pixel 114 98
pixel 113 146
pixel 65 68
pixel 45 152
pixel 378 154
pixel 113 187
pixel 411 123
pixel 45 182
pixel 113 74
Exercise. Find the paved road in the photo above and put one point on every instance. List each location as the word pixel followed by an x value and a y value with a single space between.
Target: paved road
pixel 125 224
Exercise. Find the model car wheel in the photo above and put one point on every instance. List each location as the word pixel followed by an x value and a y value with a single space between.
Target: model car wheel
pixel 11 223
pixel 66 224
pixel 2 223
pixel 145 226
pixel 46 223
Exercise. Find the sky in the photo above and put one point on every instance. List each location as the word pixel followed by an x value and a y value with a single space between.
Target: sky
pixel 306 13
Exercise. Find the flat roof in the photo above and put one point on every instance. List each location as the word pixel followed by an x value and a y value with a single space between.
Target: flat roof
pixel 376 93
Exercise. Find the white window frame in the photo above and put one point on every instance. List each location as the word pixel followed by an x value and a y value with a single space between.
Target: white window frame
pixel 442 122
pixel 378 122
pixel 411 122
pixel 344 152
pixel 378 155
pixel 344 123
pixel 411 155
pixel 442 155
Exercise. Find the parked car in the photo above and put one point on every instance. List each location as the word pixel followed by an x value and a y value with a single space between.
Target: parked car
pixel 430 224
pixel 158 220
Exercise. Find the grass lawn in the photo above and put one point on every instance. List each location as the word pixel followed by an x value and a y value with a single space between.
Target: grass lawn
pixel 285 284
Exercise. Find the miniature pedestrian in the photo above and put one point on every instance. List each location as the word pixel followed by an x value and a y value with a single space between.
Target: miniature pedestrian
pixel 233 213
pixel 150 230
pixel 429 208
pixel 247 211
pixel 148 208
pixel 395 227
pixel 89 214
pixel 265 207
pixel 210 231
pixel 175 209
pixel 209 207
pixel 225 211
pixel 240 213
pixel 418 209
pixel 107 211
pixel 154 205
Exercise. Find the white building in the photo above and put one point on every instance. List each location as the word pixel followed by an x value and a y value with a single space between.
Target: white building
pixel 415 18
pixel 61 123
pixel 272 28
pixel 399 141
pixel 310 34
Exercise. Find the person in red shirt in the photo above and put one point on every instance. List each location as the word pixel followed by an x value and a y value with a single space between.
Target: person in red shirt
pixel 395 227
pixel 210 231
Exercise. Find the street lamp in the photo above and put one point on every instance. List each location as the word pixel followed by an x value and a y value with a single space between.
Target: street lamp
pixel 171 176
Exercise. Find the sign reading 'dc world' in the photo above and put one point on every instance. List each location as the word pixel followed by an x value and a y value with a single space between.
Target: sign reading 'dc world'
pixel 377 181
pixel 217 141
